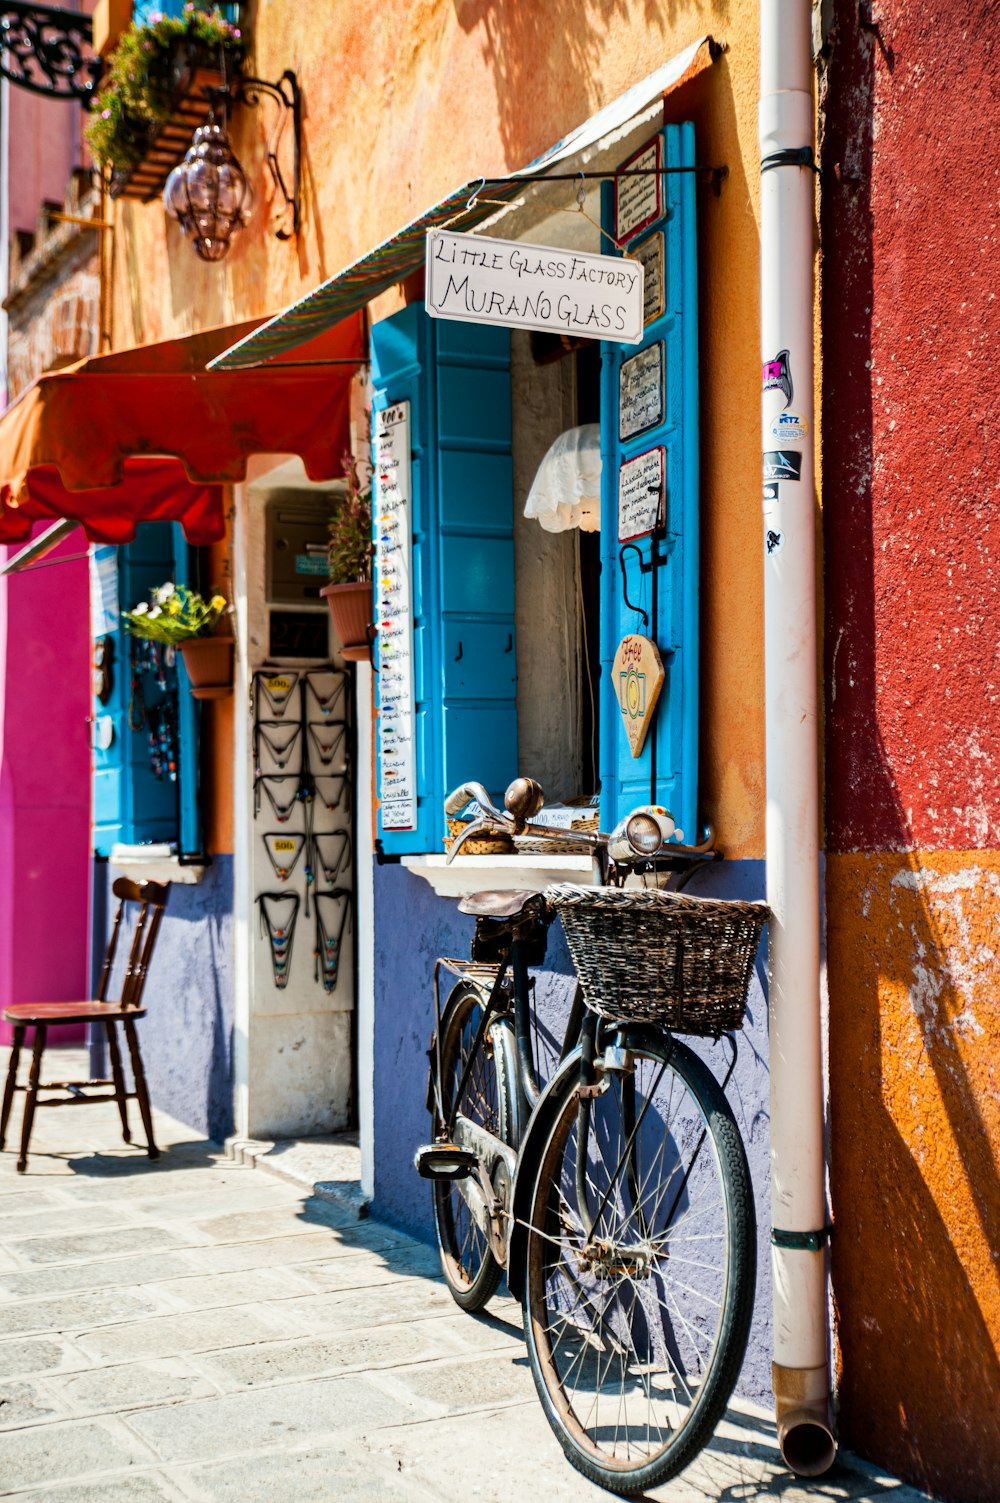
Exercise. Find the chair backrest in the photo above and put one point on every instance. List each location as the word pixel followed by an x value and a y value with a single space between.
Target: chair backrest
pixel 152 899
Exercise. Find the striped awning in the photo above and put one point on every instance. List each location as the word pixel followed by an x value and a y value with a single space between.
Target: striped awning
pixel 403 252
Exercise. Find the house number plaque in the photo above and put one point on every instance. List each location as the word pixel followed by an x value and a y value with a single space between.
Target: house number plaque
pixel 392 497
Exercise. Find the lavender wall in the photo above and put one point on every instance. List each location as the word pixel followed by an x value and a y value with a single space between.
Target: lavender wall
pixel 187 1033
pixel 412 928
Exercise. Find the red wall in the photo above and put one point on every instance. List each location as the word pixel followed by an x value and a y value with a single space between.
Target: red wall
pixel 912 673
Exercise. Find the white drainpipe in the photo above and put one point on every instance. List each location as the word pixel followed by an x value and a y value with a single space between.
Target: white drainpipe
pixel 798 1200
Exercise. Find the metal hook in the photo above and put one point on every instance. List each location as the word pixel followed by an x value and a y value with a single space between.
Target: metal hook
pixel 474 197
pixel 581 192
pixel 628 604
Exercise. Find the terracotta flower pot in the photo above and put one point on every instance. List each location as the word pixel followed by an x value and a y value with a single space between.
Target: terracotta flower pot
pixel 209 664
pixel 351 609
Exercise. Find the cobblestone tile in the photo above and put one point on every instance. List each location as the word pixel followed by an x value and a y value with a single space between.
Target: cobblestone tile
pixel 75 1312
pixel 39 1223
pixel 65 1453
pixel 279 1361
pixel 73 1248
pixel 141 1487
pixel 252 1285
pixel 25 1404
pixel 284 1252
pixel 266 1418
pixel 186 1332
pixel 132 1383
pixel 460 1385
pixel 21 1358
pixel 244 1226
pixel 317 1475
pixel 65 1278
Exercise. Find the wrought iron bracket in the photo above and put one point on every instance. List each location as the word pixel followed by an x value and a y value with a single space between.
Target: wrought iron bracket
pixel 47 49
pixel 287 98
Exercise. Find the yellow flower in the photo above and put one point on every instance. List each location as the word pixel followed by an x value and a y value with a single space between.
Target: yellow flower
pixel 218 602
pixel 173 606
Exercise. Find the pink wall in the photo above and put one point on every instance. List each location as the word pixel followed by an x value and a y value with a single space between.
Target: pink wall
pixel 44 781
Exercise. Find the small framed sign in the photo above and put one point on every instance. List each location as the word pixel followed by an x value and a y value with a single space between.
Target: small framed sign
pixel 639 199
pixel 640 495
pixel 640 392
pixel 650 253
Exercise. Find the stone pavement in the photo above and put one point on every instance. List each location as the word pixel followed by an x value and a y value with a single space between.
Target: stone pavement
pixel 195 1329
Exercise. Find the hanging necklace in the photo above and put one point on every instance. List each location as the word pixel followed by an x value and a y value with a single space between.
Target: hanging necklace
pixel 330 933
pixel 278 689
pixel 330 788
pixel 278 738
pixel 284 852
pixel 278 912
pixel 327 738
pixel 282 807
pixel 333 853
pixel 327 697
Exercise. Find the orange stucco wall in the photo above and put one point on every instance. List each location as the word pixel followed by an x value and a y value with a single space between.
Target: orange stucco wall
pixel 915 1123
pixel 405 100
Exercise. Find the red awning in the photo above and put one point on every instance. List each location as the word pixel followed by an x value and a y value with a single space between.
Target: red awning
pixel 148 434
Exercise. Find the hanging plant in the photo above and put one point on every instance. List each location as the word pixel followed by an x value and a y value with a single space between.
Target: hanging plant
pixel 174 614
pixel 140 80
pixel 349 556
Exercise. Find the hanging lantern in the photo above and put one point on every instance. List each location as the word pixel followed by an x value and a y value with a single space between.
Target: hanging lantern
pixel 208 193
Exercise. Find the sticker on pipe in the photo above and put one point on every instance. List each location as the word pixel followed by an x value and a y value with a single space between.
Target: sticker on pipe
pixel 782 464
pixel 776 375
pixel 774 541
pixel 789 427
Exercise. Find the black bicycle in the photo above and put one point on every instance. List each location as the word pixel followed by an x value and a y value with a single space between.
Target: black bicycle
pixel 617 1196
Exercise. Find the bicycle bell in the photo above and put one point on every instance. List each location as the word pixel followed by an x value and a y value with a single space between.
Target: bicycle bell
pixel 523 800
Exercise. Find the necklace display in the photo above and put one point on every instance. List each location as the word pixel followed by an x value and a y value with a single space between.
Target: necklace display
pixel 288 742
pixel 152 704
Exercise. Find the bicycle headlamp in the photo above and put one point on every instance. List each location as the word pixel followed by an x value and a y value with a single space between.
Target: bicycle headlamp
pixel 644 834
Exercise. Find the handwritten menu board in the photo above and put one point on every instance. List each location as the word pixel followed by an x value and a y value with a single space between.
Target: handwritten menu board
pixel 640 392
pixel 637 199
pixel 394 595
pixel 640 494
pixel 650 253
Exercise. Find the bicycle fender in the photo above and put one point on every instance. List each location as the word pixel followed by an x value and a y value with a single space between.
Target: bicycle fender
pixel 533 1146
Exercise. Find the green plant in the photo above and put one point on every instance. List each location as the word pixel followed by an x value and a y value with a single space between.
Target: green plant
pixel 349 556
pixel 138 83
pixel 174 614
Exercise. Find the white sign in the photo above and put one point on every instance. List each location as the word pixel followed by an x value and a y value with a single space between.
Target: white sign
pixel 476 279
pixel 640 491
pixel 392 498
pixel 640 392
pixel 637 191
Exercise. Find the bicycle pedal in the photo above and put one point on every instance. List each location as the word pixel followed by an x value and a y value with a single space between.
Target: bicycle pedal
pixel 444 1161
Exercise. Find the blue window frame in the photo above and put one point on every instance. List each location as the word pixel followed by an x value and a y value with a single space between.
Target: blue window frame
pixel 456 377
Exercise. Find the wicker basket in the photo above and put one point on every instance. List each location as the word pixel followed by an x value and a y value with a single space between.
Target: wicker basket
pixel 479 845
pixel 658 957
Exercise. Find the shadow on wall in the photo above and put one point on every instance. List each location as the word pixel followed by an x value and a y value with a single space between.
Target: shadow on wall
pixel 914 1022
pixel 559 40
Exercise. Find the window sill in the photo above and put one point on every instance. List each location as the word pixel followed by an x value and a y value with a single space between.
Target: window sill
pixel 151 863
pixel 500 873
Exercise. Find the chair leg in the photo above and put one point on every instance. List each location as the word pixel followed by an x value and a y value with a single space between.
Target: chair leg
pixel 8 1090
pixel 140 1086
pixel 32 1096
pixel 118 1076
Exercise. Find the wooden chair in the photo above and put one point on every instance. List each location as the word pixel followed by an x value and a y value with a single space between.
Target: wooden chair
pixel 151 898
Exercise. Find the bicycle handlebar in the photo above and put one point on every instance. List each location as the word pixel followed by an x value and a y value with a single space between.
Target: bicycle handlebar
pixel 468 792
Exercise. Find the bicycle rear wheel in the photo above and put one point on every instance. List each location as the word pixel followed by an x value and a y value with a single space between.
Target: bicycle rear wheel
pixel 641 1263
pixel 469 1267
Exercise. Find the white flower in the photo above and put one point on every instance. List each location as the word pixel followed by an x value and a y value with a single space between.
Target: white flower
pixel 141 608
pixel 164 593
pixel 154 611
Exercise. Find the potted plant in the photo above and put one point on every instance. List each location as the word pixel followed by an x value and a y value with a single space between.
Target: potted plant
pixel 181 618
pixel 349 559
pixel 154 93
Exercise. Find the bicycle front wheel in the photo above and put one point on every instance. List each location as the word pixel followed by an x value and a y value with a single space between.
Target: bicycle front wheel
pixel 641 1263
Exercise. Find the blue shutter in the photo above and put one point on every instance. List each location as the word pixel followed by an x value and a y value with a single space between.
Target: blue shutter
pixel 457 380
pixel 130 804
pixel 667 770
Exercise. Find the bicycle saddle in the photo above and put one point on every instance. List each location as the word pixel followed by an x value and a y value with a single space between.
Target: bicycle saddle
pixel 498 905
